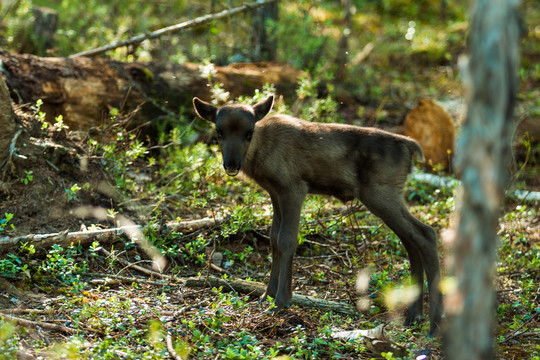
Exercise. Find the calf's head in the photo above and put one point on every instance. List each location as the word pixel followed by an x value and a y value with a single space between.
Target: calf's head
pixel 235 125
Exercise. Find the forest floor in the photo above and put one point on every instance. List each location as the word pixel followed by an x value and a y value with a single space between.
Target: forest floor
pixel 90 301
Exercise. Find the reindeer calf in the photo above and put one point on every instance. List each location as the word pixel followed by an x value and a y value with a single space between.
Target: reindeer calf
pixel 291 158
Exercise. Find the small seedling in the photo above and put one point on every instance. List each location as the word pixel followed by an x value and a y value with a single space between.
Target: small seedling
pixel 4 221
pixel 28 177
pixel 71 193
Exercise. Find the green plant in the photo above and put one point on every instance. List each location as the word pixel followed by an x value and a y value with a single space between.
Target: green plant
pixel 195 250
pixel 59 123
pixel 63 265
pixel 4 222
pixel 9 340
pixel 11 266
pixel 29 177
pixel 71 193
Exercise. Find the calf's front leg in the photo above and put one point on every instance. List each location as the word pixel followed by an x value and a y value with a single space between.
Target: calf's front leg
pixel 290 206
pixel 272 288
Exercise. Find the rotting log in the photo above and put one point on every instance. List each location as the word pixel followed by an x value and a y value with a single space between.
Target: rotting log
pixel 83 90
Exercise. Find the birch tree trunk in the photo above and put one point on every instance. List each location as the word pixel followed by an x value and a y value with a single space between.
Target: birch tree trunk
pixel 482 158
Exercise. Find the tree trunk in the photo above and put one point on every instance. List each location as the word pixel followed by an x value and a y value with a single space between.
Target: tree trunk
pixel 483 156
pixel 83 90
pixel 343 45
pixel 265 45
pixel 44 30
pixel 7 122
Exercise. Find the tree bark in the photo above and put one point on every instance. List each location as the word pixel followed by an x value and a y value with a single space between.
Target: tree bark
pixel 264 43
pixel 83 90
pixel 483 157
pixel 343 45
pixel 7 122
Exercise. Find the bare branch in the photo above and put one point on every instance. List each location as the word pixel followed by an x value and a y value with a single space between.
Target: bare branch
pixel 38 324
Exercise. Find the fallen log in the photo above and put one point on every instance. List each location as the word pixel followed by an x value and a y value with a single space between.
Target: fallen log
pixel 102 235
pixel 257 290
pixel 83 90
pixel 525 196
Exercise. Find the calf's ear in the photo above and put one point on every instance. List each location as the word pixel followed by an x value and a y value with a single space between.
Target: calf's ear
pixel 205 110
pixel 263 108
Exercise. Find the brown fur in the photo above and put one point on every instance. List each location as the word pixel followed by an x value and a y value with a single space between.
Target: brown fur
pixel 290 158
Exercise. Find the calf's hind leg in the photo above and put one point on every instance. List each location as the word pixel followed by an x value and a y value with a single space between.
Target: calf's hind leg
pixel 419 240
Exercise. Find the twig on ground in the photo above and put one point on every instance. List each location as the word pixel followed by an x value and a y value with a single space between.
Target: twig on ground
pixel 12 152
pixel 170 347
pixel 25 311
pixel 38 324
pixel 111 279
pixel 142 269
pixel 516 332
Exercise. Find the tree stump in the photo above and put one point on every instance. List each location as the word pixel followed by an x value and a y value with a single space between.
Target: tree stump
pixel 434 129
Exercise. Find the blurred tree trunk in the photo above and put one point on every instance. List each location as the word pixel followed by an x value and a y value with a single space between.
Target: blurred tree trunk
pixel 343 45
pixel 265 44
pixel 444 9
pixel 45 26
pixel 483 156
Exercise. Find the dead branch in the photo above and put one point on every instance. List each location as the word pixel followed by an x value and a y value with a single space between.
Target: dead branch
pixel 83 89
pixel 363 54
pixel 170 347
pixel 7 286
pixel 257 290
pixel 517 332
pixel 174 28
pixel 110 279
pixel 140 268
pixel 38 324
pixel 26 311
pixel 102 235
pixel 12 151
